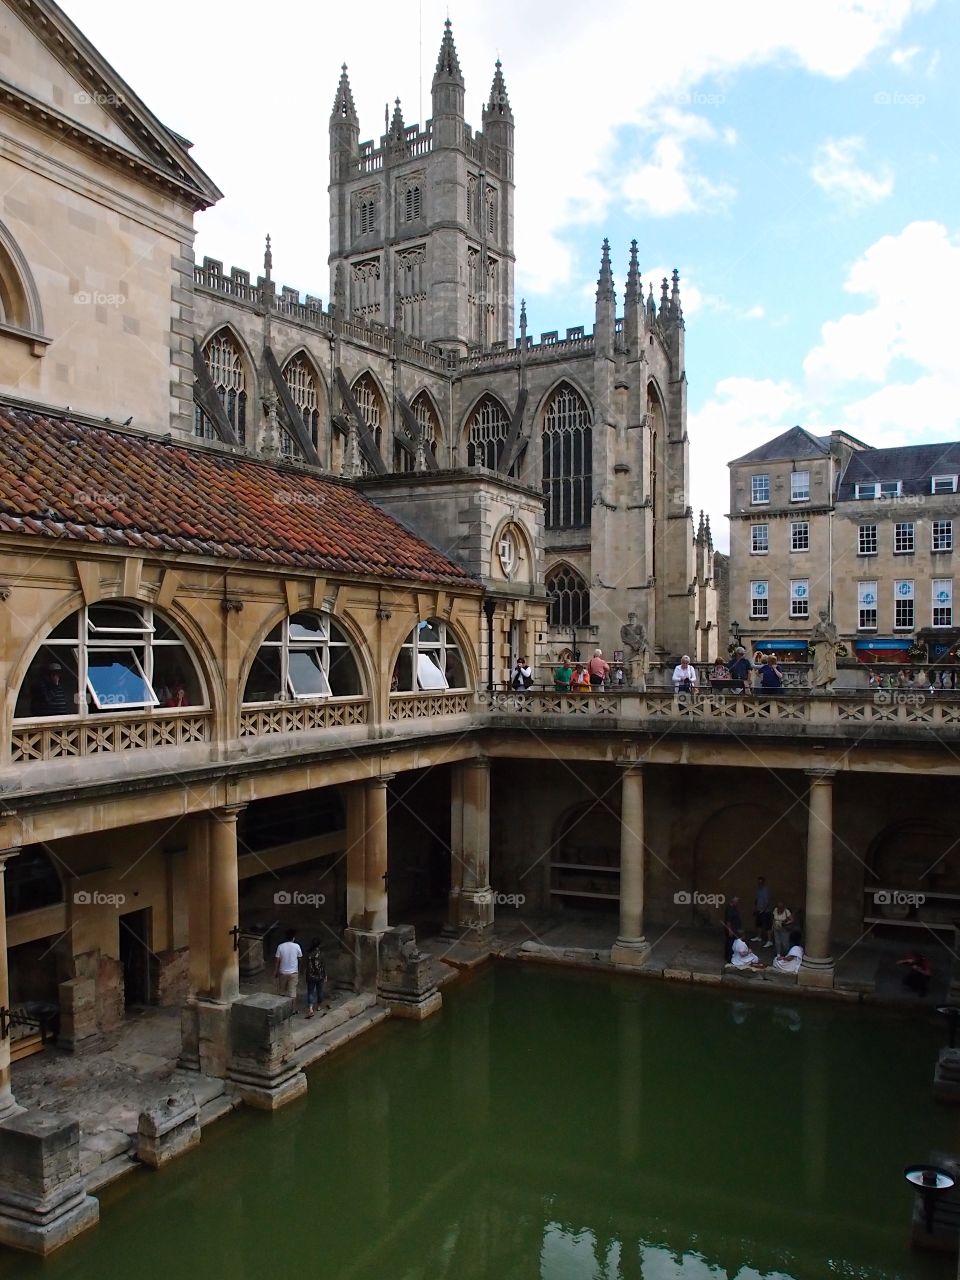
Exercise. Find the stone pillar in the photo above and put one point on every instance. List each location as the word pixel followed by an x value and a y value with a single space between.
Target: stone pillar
pixel 43 1199
pixel 356 802
pixel 407 983
pixel 375 854
pixel 476 895
pixel 631 947
pixel 264 1066
pixel 452 927
pixel 817 967
pixel 8 1105
pixel 362 937
pixel 214 957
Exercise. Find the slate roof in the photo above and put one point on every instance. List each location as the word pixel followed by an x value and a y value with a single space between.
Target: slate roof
pixel 914 465
pixel 61 478
pixel 795 443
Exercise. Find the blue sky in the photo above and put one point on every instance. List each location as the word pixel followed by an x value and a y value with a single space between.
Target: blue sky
pixel 796 161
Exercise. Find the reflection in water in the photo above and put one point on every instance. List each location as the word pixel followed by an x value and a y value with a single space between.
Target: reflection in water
pixel 787 1019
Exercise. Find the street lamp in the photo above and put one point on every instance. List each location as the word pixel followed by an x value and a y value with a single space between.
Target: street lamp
pixel 735 631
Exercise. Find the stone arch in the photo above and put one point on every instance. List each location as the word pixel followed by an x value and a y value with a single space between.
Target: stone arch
pixel 312 416
pixel 565 420
pixel 488 421
pixel 525 549
pixel 239 402
pixel 425 397
pixel 19 297
pixel 737 843
pixel 355 637
pixel 367 390
pixel 915 855
pixel 568 595
pixel 467 654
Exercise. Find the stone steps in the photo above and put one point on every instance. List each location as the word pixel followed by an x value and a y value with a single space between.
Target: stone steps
pixel 348 1029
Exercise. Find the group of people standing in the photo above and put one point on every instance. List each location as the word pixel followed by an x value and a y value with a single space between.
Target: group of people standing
pixel 286 970
pixel 584 677
pixel 774 928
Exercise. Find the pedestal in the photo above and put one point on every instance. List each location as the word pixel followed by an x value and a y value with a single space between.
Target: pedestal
pixel 205 1037
pixel 361 965
pixel 407 985
pixel 78 1015
pixel 43 1202
pixel 251 953
pixel 168 1129
pixel 475 909
pixel 262 1064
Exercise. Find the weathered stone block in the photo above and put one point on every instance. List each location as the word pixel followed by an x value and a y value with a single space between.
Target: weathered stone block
pixel 110 1004
pixel 363 949
pixel 407 983
pixel 43 1201
pixel 205 1037
pixel 168 1129
pixel 251 954
pixel 172 976
pixel 78 1014
pixel 262 1062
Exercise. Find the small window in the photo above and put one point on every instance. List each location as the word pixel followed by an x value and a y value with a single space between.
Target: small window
pixel 759 490
pixel 903 539
pixel 412 204
pixel 800 486
pixel 866 606
pixel 890 488
pixel 800 535
pixel 800 598
pixel 866 490
pixel 759 539
pixel 943 602
pixel 903 618
pixel 759 600
pixel 430 660
pixel 867 540
pixel 943 484
pixel 941 535
pixel 116 681
pixel 367 216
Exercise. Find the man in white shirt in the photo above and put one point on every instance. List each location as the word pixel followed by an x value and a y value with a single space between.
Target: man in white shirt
pixel 684 676
pixel 286 968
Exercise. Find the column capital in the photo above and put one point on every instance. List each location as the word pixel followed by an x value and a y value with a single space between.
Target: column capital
pixel 227 813
pixel 631 766
pixel 7 854
pixel 820 775
pixel 476 762
pixel 381 780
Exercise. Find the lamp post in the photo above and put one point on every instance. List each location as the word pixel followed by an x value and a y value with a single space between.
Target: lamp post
pixel 931 1182
pixel 735 631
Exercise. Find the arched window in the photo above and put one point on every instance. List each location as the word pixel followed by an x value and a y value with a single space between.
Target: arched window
pixel 567 460
pixel 370 403
pixel 569 598
pixel 225 364
pixel 429 660
pixel 366 216
pixel 412 204
pixel 305 394
pixel 491 199
pixel 473 200
pixel 305 657
pixel 19 299
pixel 487 434
pixel 107 658
pixel 429 429
pixel 31 881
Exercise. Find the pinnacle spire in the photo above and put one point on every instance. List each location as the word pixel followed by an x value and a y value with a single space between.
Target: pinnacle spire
pixel 664 299
pixel 651 305
pixel 448 65
pixel 605 279
pixel 523 317
pixel 499 102
pixel 343 107
pixel 675 311
pixel 395 131
pixel 634 290
pixel 267 259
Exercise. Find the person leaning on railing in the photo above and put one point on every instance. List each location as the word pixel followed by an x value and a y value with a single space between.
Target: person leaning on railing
pixel 562 675
pixel 740 669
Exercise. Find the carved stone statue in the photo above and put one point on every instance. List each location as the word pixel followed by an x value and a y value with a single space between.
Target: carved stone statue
pixel 824 641
pixel 636 644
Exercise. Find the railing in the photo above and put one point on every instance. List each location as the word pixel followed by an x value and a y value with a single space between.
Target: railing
pixel 415 706
pixel 296 717
pixel 55 740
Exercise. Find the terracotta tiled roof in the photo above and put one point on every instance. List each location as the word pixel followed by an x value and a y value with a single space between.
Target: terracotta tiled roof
pixel 60 478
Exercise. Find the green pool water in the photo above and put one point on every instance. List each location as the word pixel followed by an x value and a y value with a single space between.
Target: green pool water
pixel 563 1126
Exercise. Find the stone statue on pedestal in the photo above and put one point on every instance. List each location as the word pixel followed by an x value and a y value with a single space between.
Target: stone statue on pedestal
pixel 637 647
pixel 824 642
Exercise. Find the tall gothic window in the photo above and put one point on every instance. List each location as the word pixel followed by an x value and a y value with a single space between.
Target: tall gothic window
pixel 410 285
pixel 473 201
pixel 370 403
pixel 569 597
pixel 428 422
pixel 412 203
pixel 366 297
pixel 491 199
pixel 487 434
pixel 225 365
pixel 567 451
pixel 304 392
pixel 366 215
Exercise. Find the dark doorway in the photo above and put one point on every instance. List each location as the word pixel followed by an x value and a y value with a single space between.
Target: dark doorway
pixel 135 956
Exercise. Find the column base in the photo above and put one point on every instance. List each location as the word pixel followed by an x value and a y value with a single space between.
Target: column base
pixel 816 973
pixel 44 1238
pixel 361 964
pixel 475 909
pixel 43 1200
pixel 416 1010
pixel 9 1106
pixel 168 1129
pixel 271 1097
pixel 629 953
pixel 205 1037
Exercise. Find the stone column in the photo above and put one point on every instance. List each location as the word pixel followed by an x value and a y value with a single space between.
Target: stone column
pixel 224 905
pixel 375 854
pixel 8 1105
pixel 817 967
pixel 476 895
pixel 356 800
pixel 362 936
pixel 631 947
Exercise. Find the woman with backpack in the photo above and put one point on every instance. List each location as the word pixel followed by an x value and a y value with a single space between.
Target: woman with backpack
pixel 316 977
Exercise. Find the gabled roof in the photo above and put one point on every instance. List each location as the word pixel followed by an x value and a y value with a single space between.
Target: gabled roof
pixel 65 479
pixel 115 124
pixel 795 443
pixel 914 465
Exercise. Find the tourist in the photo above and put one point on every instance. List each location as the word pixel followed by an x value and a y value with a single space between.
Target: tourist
pixel 581 679
pixel 917 976
pixel 684 676
pixel 316 977
pixel 286 967
pixel 762 918
pixel 740 669
pixel 718 672
pixel 791 962
pixel 618 677
pixel 522 676
pixel 741 957
pixel 599 669
pixel 770 677
pixel 782 920
pixel 732 924
pixel 562 675
pixel 49 697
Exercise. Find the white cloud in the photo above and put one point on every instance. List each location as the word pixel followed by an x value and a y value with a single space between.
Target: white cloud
pixel 836 172
pixel 666 184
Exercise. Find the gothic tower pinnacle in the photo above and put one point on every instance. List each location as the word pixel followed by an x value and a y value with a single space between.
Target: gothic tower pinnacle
pixel 344 131
pixel 447 94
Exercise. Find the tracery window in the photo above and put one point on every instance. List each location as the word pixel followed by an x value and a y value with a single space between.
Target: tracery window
pixel 305 657
pixel 370 403
pixel 366 214
pixel 225 365
pixel 569 598
pixel 412 203
pixel 428 422
pixel 473 200
pixel 304 393
pixel 430 659
pixel 491 199
pixel 411 288
pixel 567 459
pixel 108 658
pixel 366 297
pixel 487 434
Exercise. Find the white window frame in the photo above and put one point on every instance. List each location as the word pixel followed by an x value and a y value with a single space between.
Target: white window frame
pixel 941 540
pixel 799 529
pixel 899 550
pixel 287 645
pixel 138 703
pixel 866 613
pixel 944 609
pixel 800 598
pixel 755 486
pixel 755 537
pixel 870 537
pixel 428 674
pixel 943 484
pixel 760 603
pixel 796 493
pixel 904 619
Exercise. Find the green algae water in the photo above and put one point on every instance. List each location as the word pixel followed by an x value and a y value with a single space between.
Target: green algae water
pixel 561 1126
